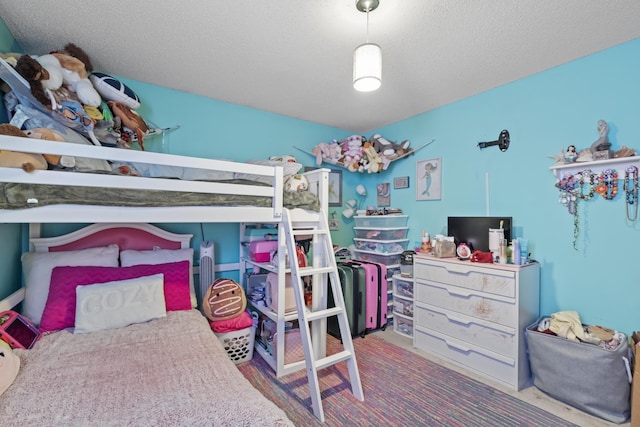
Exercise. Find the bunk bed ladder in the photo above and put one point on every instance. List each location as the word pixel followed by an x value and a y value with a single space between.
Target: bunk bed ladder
pixel 324 272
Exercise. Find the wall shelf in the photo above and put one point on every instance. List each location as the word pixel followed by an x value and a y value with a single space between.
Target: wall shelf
pixel 596 166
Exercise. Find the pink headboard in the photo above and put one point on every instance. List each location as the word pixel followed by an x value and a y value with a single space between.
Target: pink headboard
pixel 126 236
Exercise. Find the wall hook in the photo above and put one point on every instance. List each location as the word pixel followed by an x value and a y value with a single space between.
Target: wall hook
pixel 502 142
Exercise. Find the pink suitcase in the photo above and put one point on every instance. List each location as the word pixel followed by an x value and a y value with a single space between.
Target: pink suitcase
pixel 376 294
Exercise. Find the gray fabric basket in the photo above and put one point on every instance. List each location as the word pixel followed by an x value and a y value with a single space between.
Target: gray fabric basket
pixel 585 376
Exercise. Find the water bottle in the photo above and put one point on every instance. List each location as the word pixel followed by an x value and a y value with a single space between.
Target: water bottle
pixel 516 252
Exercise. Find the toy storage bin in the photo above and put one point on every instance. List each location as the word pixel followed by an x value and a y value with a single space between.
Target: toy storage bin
pixel 403 288
pixel 403 325
pixel 403 306
pixel 381 233
pixel 260 251
pixel 389 246
pixel 387 259
pixel 586 376
pixel 238 344
pixel 384 221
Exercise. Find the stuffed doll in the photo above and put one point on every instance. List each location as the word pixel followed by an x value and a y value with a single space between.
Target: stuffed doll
pixel 130 119
pixel 14 159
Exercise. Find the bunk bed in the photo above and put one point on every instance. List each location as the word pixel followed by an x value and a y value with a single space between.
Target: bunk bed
pixel 269 207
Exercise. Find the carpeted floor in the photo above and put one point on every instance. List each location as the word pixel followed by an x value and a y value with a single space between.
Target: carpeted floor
pixel 400 388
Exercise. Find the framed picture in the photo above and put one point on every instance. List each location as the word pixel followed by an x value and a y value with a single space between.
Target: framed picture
pixel 335 186
pixel 429 179
pixel 384 195
pixel 401 182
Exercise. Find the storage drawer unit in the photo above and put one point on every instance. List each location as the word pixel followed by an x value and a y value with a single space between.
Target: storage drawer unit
pixel 475 315
pixel 386 259
pixel 381 221
pixel 387 246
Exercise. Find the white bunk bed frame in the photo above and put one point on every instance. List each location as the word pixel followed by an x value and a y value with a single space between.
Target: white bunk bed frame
pixel 65 213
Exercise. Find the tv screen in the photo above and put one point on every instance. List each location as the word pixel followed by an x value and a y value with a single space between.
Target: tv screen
pixel 474 230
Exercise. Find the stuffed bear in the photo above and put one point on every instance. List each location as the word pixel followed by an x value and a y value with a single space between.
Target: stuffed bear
pixel 352 152
pixel 332 153
pixel 15 159
pixel 51 135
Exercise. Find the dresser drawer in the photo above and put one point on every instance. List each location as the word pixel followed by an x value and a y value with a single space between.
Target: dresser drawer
pixel 476 358
pixel 490 280
pixel 493 308
pixel 490 336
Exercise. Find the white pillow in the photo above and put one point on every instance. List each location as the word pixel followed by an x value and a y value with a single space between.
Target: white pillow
pixel 113 305
pixel 130 257
pixel 37 267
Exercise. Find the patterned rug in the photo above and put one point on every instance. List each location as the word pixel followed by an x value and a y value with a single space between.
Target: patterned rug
pixel 400 389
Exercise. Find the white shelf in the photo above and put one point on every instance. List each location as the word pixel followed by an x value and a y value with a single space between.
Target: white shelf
pixel 596 166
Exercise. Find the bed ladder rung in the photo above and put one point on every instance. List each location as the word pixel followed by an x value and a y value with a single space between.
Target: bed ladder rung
pixel 325 273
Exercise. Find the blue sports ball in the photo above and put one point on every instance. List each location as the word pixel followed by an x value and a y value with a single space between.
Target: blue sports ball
pixel 112 89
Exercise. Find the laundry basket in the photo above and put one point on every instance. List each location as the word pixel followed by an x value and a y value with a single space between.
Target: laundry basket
pixel 238 344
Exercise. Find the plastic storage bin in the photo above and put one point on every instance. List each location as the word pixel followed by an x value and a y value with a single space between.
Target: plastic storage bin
pixel 238 344
pixel 403 325
pixel 387 259
pixel 381 233
pixel 381 221
pixel 403 288
pixel 403 306
pixel 389 246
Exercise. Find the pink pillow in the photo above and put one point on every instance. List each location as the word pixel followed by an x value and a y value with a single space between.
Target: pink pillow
pixel 60 309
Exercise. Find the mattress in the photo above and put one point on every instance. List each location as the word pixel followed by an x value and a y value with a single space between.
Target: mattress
pixel 25 195
pixel 169 371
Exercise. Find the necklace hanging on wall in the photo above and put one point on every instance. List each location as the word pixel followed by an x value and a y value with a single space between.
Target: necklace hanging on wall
pixel 581 180
pixel 631 191
pixel 608 184
pixel 569 197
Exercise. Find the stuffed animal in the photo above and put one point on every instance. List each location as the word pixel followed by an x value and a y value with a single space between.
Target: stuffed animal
pixel 14 159
pixel 34 73
pixel 51 135
pixel 352 152
pixel 287 158
pixel 54 69
pixel 75 70
pixel 224 300
pixel 374 164
pixel 296 183
pixel 130 119
pixel 9 366
pixel 332 153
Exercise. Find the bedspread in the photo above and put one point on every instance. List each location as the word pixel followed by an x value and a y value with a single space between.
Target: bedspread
pixel 170 371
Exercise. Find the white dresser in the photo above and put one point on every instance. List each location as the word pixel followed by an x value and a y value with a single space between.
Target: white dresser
pixel 475 315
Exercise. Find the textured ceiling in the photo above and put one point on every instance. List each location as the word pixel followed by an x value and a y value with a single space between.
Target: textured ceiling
pixel 294 57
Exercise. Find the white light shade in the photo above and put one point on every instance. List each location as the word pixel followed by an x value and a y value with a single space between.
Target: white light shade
pixel 367 67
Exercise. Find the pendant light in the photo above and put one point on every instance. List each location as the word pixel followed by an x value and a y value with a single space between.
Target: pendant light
pixel 367 58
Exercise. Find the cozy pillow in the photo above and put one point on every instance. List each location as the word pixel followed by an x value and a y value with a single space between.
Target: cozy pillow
pixel 160 256
pixel 9 366
pixel 289 168
pixel 114 305
pixel 37 267
pixel 59 312
pixel 113 89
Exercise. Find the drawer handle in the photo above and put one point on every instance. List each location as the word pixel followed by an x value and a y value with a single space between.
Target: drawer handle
pixel 457 319
pixel 458 347
pixel 459 293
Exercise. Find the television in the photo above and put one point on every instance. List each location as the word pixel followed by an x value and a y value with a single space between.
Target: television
pixel 474 230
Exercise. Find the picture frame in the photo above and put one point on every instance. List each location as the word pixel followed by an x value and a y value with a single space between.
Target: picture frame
pixel 401 182
pixel 335 186
pixel 429 179
pixel 384 195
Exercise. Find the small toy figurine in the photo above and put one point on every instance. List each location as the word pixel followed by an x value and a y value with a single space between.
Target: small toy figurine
pixel 571 155
pixel 602 143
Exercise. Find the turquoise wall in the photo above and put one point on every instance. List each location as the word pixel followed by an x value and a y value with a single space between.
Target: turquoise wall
pixel 543 113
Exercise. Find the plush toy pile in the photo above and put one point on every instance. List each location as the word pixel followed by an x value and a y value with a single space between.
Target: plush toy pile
pixel 356 153
pixel 63 84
